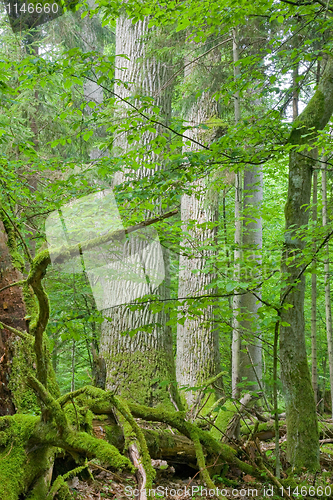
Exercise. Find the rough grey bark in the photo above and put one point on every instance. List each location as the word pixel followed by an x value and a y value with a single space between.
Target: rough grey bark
pixel 251 351
pixel 198 356
pixel 328 309
pixel 137 364
pixel 302 441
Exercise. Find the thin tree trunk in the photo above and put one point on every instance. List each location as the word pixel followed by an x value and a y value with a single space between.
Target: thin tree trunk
pixel 314 370
pixel 328 309
pixel 73 367
pixel 314 298
pixel 251 358
pixel 93 93
pixel 295 91
pixel 236 304
pixel 302 426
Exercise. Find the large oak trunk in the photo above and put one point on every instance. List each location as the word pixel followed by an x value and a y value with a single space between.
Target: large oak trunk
pixel 137 365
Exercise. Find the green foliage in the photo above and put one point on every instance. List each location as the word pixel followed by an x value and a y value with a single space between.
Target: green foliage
pixel 47 129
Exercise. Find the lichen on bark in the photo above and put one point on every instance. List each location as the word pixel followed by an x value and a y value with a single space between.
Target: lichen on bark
pixel 302 441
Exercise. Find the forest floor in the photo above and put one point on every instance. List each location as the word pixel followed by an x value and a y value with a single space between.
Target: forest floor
pixel 183 483
pixel 169 485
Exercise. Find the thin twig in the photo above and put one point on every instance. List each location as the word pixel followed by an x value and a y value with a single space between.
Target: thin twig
pixel 17 283
pixel 92 464
pixel 188 64
pixel 259 383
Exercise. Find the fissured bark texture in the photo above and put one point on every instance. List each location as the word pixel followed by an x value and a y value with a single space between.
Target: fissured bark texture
pixel 12 312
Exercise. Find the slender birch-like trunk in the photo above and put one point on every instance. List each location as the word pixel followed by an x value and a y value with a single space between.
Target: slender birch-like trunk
pixel 236 304
pixel 246 351
pixel 73 367
pixel 314 375
pixel 93 92
pixel 328 308
pixel 251 351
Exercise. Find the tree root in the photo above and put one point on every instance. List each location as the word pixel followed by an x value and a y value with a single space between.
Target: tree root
pixel 60 483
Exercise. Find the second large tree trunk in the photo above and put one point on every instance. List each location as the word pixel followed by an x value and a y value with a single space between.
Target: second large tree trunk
pixel 198 355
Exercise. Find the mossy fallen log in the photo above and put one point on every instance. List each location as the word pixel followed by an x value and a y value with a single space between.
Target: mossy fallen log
pixel 162 444
pixel 265 430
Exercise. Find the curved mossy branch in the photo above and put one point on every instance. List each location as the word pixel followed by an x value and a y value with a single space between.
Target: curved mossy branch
pixel 123 408
pixel 38 326
pixel 94 392
pixel 202 463
pixel 53 408
pixel 92 447
pixel 71 440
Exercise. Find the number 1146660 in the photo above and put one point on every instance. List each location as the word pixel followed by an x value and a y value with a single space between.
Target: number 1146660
pixel 31 8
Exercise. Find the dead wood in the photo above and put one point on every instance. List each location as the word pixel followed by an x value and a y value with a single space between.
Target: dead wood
pixel 162 444
pixel 233 428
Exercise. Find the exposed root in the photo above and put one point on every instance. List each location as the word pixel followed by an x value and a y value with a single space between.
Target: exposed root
pixel 60 482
